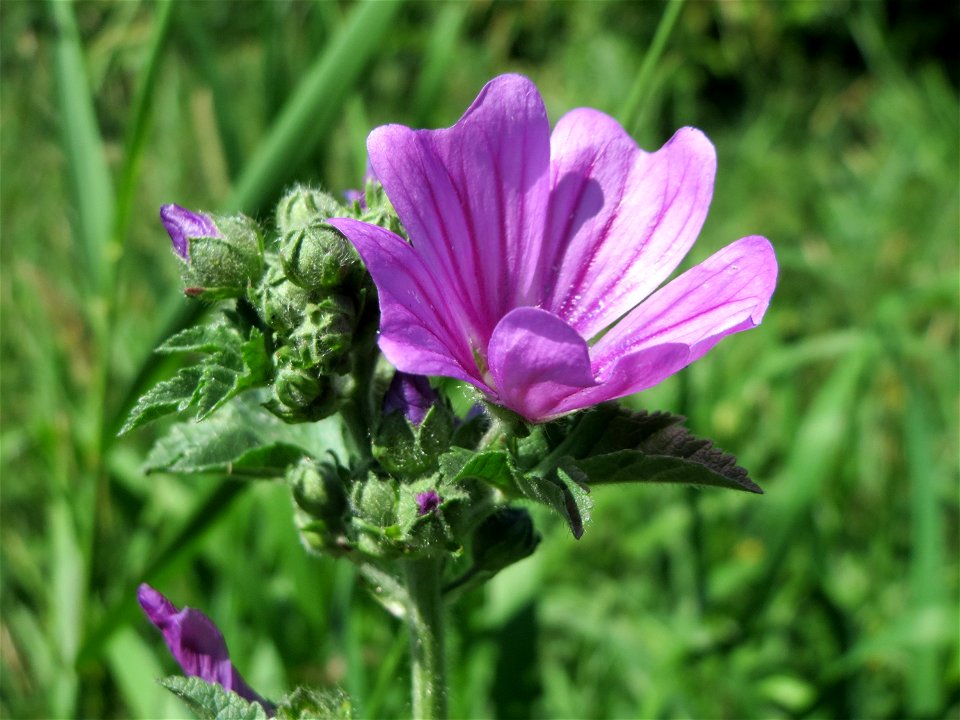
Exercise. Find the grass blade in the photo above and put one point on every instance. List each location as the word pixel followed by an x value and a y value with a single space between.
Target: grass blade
pixel 82 144
pixel 641 86
pixel 927 556
pixel 315 105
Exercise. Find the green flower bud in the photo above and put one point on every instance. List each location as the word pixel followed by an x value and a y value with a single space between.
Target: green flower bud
pixel 319 489
pixel 314 255
pixel 410 450
pixel 301 395
pixel 503 538
pixel 325 335
pixel 318 257
pixel 281 302
pixel 303 207
pixel 225 265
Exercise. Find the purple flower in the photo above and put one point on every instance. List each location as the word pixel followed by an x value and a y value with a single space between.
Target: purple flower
pixel 533 256
pixel 196 644
pixel 427 502
pixel 182 224
pixel 410 394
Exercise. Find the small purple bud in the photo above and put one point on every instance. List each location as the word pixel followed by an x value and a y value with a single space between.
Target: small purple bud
pixel 427 502
pixel 411 394
pixel 356 196
pixel 360 196
pixel 197 644
pixel 182 224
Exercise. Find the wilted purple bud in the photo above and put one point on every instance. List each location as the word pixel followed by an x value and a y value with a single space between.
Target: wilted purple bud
pixel 427 502
pixel 411 394
pixel 182 224
pixel 196 643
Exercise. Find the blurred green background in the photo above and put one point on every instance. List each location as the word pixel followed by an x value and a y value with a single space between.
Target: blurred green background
pixel 833 595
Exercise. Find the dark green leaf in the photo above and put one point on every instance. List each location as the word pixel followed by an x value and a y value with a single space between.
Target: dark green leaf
pixel 705 466
pixel 611 427
pixel 612 444
pixel 563 490
pixel 211 701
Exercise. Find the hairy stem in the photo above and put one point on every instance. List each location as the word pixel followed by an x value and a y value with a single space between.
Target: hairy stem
pixel 425 621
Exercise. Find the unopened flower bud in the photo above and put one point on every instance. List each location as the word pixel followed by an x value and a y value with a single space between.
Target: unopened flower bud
pixel 281 302
pixel 503 538
pixel 319 489
pixel 223 254
pixel 318 257
pixel 411 395
pixel 301 395
pixel 303 207
pixel 410 442
pixel 428 502
pixel 182 224
pixel 325 335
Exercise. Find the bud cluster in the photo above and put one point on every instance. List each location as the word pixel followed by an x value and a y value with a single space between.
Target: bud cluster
pixel 311 298
pixel 402 495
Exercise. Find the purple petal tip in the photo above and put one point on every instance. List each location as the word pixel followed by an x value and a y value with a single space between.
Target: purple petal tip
pixel 196 643
pixel 182 224
pixel 411 395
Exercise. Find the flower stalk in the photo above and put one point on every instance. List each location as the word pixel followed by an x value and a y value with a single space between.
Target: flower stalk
pixel 425 623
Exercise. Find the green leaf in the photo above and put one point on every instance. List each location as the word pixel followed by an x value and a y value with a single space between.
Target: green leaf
pixel 232 366
pixel 201 339
pixel 494 467
pixel 612 444
pixel 311 704
pixel 611 427
pixel 211 701
pixel 86 159
pixel 707 466
pixel 243 440
pixel 174 395
pixel 564 490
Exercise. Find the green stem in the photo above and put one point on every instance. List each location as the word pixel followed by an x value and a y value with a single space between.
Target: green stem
pixel 425 621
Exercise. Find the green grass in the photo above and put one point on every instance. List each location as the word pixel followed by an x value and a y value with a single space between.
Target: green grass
pixel 834 595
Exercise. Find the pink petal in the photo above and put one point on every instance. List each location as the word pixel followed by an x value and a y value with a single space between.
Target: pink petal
pixel 536 361
pixel 473 198
pixel 621 219
pixel 727 293
pixel 419 320
pixel 632 373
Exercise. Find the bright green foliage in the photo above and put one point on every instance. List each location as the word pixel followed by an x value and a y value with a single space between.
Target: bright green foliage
pixel 231 365
pixel 211 702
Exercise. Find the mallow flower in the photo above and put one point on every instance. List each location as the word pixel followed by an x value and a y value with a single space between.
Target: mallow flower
pixel 534 258
pixel 196 644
